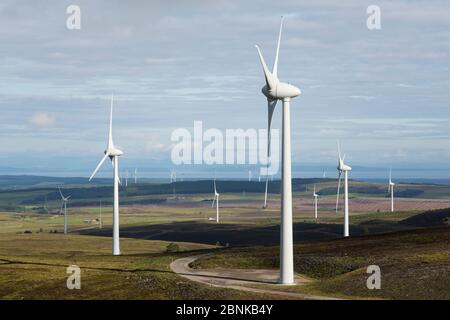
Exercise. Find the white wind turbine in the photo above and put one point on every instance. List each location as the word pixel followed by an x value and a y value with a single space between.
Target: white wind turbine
pixel 249 175
pixel 315 195
pixel 113 153
pixel 173 176
pixel 216 200
pixel 342 167
pixel 126 178
pixel 135 176
pixel 64 205
pixel 391 189
pixel 276 90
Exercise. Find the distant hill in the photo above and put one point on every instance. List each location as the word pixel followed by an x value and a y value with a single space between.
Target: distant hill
pixel 31 181
pixel 431 218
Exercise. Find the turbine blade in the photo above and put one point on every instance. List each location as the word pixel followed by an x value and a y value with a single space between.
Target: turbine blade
pixel 339 150
pixel 265 193
pixel 337 194
pixel 271 104
pixel 61 193
pixel 99 165
pixel 212 205
pixel 110 138
pixel 270 81
pixel 118 178
pixel 275 64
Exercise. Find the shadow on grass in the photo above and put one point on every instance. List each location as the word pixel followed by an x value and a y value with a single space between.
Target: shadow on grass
pixel 231 234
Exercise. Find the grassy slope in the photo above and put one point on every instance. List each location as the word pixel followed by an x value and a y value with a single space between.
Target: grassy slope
pixel 414 264
pixel 34 267
pixel 429 218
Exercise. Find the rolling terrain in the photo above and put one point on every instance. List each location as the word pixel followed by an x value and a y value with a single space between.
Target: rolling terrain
pixel 411 246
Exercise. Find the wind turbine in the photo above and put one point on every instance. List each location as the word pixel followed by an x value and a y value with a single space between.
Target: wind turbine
pixel 216 200
pixel 275 90
pixel 391 189
pixel 342 167
pixel 113 153
pixel 126 178
pixel 64 205
pixel 173 176
pixel 315 195
pixel 135 175
pixel 249 175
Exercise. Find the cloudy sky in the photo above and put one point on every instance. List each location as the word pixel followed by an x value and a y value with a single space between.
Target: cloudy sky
pixel 384 93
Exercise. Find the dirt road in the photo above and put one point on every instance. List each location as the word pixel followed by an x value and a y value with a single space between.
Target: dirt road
pixel 239 279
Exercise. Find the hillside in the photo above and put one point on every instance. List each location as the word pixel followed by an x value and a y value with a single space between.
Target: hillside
pixel 431 218
pixel 414 264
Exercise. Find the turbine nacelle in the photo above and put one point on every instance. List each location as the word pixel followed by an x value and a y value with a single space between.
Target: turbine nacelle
pixel 280 91
pixel 113 152
pixel 343 167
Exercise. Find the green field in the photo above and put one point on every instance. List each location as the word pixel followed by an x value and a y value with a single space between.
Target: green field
pixel 34 254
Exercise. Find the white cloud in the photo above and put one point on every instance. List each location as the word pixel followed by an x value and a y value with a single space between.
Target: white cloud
pixel 42 120
pixel 365 98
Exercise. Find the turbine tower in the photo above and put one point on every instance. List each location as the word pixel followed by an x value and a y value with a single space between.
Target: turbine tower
pixel 64 205
pixel 135 175
pixel 391 189
pixel 275 90
pixel 342 167
pixel 126 178
pixel 216 200
pixel 315 195
pixel 113 153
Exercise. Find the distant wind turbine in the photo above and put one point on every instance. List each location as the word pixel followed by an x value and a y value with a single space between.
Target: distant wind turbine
pixel 135 176
pixel 113 153
pixel 173 176
pixel 64 205
pixel 342 167
pixel 126 178
pixel 249 175
pixel 391 189
pixel 216 200
pixel 315 195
